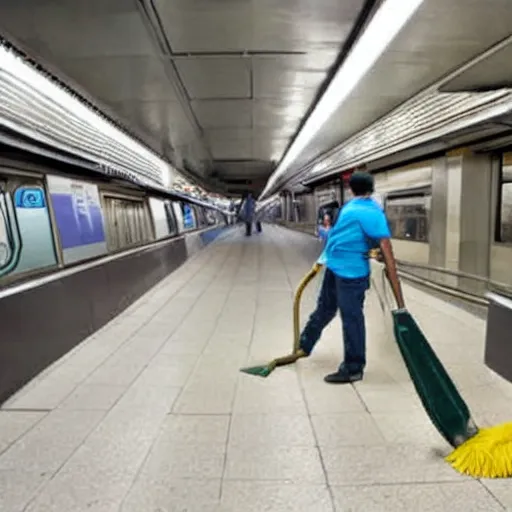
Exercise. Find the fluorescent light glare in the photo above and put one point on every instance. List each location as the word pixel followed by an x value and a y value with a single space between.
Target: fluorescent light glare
pixel 382 29
pixel 14 65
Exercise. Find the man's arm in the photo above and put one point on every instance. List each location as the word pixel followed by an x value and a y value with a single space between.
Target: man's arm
pixel 390 262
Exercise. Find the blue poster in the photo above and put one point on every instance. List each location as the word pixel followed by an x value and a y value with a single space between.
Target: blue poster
pixel 188 217
pixel 29 197
pixel 79 218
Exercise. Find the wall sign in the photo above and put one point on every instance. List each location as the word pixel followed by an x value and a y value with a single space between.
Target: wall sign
pixel 79 218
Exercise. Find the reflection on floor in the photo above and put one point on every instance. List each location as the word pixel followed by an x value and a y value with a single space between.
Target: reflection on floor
pixel 151 413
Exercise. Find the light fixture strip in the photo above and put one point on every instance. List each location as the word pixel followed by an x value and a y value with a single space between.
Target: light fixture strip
pixel 382 29
pixel 15 66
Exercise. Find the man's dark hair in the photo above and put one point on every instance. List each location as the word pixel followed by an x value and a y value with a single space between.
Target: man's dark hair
pixel 361 183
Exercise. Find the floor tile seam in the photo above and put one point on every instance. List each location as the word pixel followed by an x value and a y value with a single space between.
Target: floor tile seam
pixel 55 473
pixel 104 360
pixel 234 398
pixel 301 387
pixel 192 306
pixel 183 321
pixel 47 372
pixel 403 483
pixel 26 432
pixel 176 327
pixel 317 445
pixel 106 413
pixel 208 248
pixel 354 485
pixel 456 479
pixel 491 494
pixel 138 470
pixel 179 394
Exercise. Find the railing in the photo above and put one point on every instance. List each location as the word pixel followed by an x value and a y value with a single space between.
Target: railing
pixel 463 285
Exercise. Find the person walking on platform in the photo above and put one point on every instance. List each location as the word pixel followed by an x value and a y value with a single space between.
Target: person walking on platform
pixel 247 213
pixel 257 221
pixel 361 226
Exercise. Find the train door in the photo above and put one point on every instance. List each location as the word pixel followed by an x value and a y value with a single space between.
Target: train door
pixel 26 236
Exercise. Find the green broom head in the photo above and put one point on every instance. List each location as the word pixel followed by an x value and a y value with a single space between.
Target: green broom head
pixel 261 371
pixel 488 454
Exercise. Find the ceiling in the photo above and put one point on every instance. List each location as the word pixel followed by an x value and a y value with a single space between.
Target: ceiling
pixel 216 86
pixel 491 72
pixel 439 38
pixel 219 87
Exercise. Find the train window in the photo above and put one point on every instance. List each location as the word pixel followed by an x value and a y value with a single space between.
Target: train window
pixel 408 217
pixel 10 239
pixel 127 222
pixel 201 218
pixel 211 217
pixel 171 218
pixel 26 238
pixel 505 228
pixel 189 217
pixel 159 214
pixel 331 209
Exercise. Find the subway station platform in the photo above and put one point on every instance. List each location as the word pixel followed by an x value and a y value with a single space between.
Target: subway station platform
pixel 151 414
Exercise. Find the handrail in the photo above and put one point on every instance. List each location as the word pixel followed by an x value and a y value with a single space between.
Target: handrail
pixel 500 288
pixel 457 273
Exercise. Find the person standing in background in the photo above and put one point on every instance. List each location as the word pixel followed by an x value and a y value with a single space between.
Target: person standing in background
pixel 325 227
pixel 247 213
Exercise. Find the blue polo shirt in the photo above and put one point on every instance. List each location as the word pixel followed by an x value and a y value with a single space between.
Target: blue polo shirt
pixel 361 224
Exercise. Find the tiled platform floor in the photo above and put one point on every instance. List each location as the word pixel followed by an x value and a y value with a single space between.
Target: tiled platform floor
pixel 152 415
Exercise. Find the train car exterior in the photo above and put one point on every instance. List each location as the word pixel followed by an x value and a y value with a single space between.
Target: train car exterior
pixel 50 221
pixel 450 217
pixel 76 250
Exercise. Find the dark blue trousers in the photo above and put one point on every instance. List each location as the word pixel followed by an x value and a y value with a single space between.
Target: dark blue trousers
pixel 347 296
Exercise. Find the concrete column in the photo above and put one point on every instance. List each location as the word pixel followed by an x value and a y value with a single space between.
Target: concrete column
pixel 282 200
pixel 438 213
pixel 464 197
pixel 475 216
pixel 453 211
pixel 289 207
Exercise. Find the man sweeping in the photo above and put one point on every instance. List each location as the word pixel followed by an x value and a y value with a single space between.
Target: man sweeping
pixel 360 227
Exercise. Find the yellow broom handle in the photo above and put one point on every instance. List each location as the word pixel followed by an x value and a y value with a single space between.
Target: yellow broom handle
pixel 296 304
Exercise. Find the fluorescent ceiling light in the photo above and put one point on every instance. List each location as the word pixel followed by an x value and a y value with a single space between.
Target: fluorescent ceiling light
pixel 382 29
pixel 14 65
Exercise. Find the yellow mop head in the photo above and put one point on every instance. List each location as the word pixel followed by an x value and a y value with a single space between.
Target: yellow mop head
pixel 488 454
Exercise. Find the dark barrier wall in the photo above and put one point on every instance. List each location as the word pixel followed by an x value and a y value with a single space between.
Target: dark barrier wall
pixel 41 324
pixel 498 342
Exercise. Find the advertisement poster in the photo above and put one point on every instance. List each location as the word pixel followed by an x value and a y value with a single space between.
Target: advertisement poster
pixel 79 218
pixel 188 217
pixel 159 213
pixel 37 249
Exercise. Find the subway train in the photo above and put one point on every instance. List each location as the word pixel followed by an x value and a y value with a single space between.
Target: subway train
pixel 77 247
pixel 50 220
pixel 450 217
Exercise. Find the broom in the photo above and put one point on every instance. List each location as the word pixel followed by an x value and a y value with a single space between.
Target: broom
pixel 297 353
pixel 478 452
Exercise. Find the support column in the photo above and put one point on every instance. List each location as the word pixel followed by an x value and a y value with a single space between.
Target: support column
pixel 438 213
pixel 475 214
pixel 468 217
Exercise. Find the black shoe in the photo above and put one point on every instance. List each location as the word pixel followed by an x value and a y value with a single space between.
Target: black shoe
pixel 343 377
